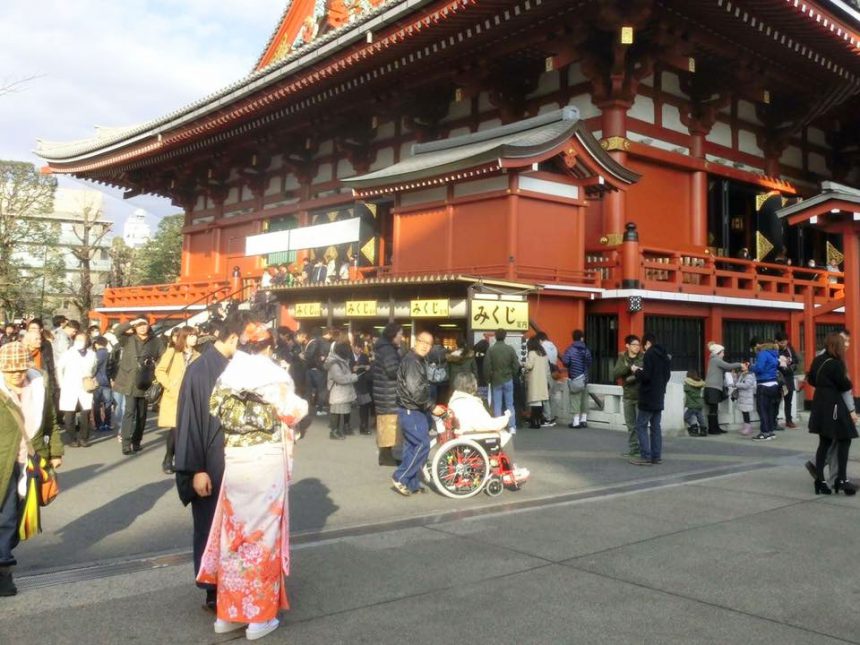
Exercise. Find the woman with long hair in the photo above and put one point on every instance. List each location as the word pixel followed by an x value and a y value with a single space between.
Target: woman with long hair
pixel 832 417
pixel 169 372
pixel 247 554
pixel 537 379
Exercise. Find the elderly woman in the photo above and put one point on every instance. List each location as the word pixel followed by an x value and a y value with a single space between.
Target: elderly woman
pixel 26 424
pixel 715 383
pixel 247 555
pixel 831 417
pixel 469 409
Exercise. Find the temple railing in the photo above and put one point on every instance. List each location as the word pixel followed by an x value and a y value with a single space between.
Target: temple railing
pixel 667 270
pixel 179 294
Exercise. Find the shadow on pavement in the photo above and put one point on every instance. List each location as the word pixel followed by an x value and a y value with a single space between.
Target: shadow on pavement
pixel 310 506
pixel 116 516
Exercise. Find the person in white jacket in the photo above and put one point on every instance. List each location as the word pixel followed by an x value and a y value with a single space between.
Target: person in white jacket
pixel 76 369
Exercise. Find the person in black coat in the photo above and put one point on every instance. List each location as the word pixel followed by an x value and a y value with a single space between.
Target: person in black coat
pixel 832 417
pixel 360 364
pixel 653 377
pixel 383 375
pixel 199 459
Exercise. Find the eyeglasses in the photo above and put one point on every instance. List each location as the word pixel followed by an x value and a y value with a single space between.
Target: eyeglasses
pixel 424 342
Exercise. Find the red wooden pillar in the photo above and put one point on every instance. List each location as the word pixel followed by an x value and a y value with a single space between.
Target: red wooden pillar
pixel 614 124
pixel 513 232
pixel 852 297
pixel 808 327
pixel 714 325
pixel 698 193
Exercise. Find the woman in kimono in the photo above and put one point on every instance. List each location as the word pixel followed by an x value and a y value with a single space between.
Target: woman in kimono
pixel 247 554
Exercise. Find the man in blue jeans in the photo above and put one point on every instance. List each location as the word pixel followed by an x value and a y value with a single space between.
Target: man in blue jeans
pixel 652 377
pixel 501 366
pixel 414 404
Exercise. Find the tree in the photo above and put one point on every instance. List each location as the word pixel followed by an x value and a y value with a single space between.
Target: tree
pixel 25 242
pixel 161 257
pixel 124 264
pixel 89 229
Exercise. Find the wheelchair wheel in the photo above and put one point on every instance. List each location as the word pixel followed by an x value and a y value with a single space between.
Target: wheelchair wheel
pixel 460 468
pixel 494 487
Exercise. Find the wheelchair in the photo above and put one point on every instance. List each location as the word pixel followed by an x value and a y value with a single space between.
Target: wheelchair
pixel 460 466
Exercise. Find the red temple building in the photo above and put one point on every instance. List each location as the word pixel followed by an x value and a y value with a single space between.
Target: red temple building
pixel 545 164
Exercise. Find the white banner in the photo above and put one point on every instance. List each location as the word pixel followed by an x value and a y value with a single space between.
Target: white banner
pixel 310 237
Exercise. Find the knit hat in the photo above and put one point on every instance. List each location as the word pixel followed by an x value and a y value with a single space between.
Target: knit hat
pixel 14 357
pixel 716 348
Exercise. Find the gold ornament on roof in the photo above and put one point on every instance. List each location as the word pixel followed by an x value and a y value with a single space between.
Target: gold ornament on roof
pixel 834 256
pixel 763 246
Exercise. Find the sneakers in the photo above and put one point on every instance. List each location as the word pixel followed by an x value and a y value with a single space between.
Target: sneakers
pixel 258 630
pixel 582 424
pixel 549 423
pixel 639 461
pixel 225 626
pixel 657 461
pixel 400 488
pixel 761 436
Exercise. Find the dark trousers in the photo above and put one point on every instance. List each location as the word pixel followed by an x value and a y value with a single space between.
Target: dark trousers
pixel 69 423
pixel 415 425
pixel 364 416
pixel 102 407
pixel 842 446
pixel 133 421
pixel 202 512
pixel 768 404
pixel 170 442
pixel 10 515
pixel 319 392
pixel 787 404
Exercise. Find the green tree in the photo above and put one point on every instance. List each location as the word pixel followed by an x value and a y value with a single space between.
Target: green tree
pixel 125 264
pixel 26 242
pixel 161 257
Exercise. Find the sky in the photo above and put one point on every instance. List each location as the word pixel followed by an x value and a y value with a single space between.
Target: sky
pixel 118 63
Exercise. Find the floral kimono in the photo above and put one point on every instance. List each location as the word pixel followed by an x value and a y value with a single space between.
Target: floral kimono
pixel 247 555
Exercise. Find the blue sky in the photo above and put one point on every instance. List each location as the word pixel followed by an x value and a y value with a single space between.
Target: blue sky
pixel 109 63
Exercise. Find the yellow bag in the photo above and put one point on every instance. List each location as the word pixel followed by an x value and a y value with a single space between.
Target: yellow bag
pixel 31 520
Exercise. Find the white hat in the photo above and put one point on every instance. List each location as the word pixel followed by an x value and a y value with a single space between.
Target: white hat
pixel 716 348
pixel 139 321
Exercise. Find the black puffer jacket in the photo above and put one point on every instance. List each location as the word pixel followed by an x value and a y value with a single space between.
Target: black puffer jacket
pixel 413 388
pixel 653 378
pixel 383 374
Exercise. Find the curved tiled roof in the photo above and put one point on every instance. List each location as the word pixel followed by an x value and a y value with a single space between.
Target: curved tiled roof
pixel 111 138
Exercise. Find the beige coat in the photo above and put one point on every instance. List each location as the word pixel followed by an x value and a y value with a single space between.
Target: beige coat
pixel 171 380
pixel 537 377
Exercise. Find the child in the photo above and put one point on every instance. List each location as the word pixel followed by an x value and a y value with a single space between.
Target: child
pixel 746 386
pixel 693 417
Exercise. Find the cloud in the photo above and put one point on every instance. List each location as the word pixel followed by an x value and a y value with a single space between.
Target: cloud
pixel 108 63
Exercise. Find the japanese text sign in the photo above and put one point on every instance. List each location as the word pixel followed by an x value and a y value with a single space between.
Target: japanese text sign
pixel 358 308
pixel 499 314
pixel 428 308
pixel 308 310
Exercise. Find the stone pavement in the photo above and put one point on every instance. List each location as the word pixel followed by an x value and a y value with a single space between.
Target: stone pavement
pixel 722 543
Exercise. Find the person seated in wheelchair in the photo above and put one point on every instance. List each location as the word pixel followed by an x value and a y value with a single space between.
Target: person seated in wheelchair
pixel 469 410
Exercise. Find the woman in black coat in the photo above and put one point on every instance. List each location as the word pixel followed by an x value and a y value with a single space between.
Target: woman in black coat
pixel 831 418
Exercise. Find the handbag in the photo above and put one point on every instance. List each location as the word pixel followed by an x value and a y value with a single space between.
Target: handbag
pixel 436 373
pixel 576 385
pixel 90 384
pixel 155 390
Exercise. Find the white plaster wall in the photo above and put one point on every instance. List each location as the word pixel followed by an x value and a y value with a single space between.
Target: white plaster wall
pixel 586 108
pixel 384 158
pixel 818 164
pixel 816 137
pixel 274 186
pixel 345 169
pixel 487 125
pixel 232 196
pixel 385 131
pixel 277 162
pixel 721 134
pixel 547 84
pixel 459 109
pixel 459 132
pixel 746 112
pixel 671 85
pixel 672 119
pixel 424 196
pixel 747 143
pixel 484 102
pixel 406 150
pixel 291 183
pixel 326 148
pixel 792 156
pixel 642 109
pixel 574 74
pixel 200 203
pixel 323 173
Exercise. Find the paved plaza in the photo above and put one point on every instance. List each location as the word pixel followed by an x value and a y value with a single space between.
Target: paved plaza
pixel 725 542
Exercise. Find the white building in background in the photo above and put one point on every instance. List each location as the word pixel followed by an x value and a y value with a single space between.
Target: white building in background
pixel 72 206
pixel 136 231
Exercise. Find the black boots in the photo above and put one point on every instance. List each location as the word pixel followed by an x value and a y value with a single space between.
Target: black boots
pixel 7 586
pixel 821 487
pixel 714 425
pixel 845 485
pixel 536 417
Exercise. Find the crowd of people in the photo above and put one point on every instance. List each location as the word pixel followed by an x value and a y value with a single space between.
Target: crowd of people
pixel 235 396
